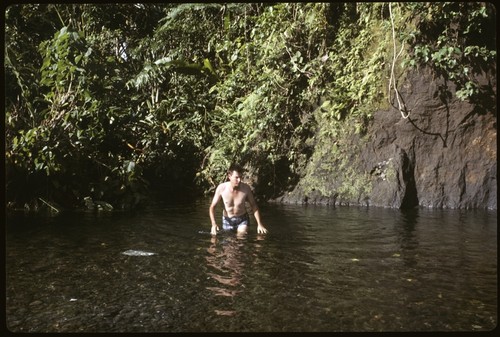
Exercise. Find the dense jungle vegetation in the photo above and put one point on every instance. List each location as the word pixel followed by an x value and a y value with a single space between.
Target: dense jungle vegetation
pixel 112 102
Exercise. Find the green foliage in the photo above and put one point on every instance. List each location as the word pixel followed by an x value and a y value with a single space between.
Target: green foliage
pixel 261 114
pixel 67 140
pixel 57 128
pixel 354 72
pixel 453 38
pixel 102 99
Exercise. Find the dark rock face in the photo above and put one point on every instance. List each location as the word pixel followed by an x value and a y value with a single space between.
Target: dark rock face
pixel 394 183
pixel 443 155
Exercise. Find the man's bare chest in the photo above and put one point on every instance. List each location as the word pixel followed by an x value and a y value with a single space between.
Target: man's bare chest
pixel 233 198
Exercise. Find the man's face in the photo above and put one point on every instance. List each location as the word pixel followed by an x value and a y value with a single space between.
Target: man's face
pixel 235 178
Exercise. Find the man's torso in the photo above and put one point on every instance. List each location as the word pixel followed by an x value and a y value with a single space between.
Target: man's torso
pixel 234 200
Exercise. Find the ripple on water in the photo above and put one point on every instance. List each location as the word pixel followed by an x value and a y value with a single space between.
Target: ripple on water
pixel 318 269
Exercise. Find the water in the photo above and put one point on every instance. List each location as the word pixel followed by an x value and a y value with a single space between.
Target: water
pixel 318 269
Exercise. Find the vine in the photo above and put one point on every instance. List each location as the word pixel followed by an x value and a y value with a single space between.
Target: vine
pixel 392 80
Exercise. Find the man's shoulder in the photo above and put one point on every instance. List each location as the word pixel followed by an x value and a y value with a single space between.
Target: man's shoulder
pixel 222 186
pixel 246 187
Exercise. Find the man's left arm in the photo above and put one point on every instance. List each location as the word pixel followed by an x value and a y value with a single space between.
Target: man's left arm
pixel 256 212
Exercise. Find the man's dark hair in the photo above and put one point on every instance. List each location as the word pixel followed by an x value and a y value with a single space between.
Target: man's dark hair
pixel 235 167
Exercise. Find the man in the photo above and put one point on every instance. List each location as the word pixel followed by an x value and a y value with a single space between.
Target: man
pixel 235 194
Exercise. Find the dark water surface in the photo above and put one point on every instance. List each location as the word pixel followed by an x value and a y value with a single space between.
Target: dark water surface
pixel 318 269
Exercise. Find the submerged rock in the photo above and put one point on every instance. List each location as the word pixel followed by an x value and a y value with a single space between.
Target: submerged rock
pixel 133 252
pixel 99 205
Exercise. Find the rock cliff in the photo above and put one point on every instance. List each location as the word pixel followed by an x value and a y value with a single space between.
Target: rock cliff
pixel 443 155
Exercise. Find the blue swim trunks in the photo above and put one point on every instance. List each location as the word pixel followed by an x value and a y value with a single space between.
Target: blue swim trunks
pixel 234 222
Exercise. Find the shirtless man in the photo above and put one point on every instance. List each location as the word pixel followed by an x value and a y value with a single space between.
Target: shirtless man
pixel 234 194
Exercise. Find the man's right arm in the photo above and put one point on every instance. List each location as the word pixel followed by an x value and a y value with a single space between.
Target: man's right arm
pixel 211 210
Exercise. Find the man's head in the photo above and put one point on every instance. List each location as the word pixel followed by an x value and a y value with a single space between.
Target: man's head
pixel 235 174
pixel 235 168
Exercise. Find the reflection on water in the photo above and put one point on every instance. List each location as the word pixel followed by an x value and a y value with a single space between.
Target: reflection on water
pixel 225 259
pixel 318 269
pixel 227 267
